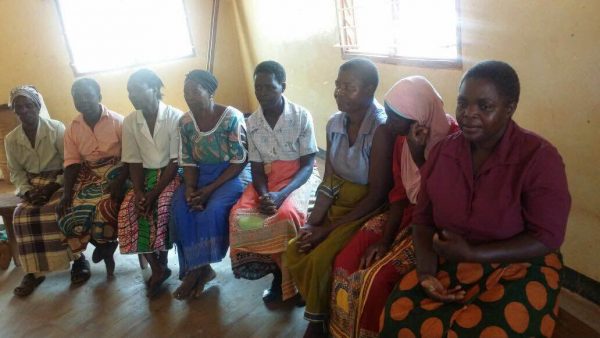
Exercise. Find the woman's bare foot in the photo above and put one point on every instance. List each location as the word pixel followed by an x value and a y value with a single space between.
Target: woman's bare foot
pixel 206 276
pixel 157 279
pixel 188 285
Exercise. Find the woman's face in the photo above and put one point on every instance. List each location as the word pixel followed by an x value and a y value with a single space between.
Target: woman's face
pixel 268 90
pixel 87 101
pixel 27 111
pixel 351 94
pixel 397 124
pixel 482 112
pixel 141 95
pixel 196 96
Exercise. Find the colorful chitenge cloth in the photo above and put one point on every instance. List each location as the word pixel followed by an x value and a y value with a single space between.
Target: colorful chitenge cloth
pixel 258 241
pixel 93 214
pixel 359 295
pixel 139 233
pixel 202 237
pixel 312 272
pixel 41 243
pixel 502 300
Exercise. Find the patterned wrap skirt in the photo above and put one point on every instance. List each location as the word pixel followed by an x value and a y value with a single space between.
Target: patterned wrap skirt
pixel 502 300
pixel 312 272
pixel 202 237
pixel 258 241
pixel 93 214
pixel 42 245
pixel 359 296
pixel 147 233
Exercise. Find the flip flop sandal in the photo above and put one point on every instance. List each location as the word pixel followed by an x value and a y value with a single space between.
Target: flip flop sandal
pixel 155 288
pixel 28 284
pixel 80 271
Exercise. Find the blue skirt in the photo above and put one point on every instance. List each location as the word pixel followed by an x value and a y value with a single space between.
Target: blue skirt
pixel 202 237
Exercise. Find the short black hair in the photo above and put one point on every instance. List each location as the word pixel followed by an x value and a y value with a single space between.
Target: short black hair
pixel 503 76
pixel 148 77
pixel 86 82
pixel 366 70
pixel 203 78
pixel 271 67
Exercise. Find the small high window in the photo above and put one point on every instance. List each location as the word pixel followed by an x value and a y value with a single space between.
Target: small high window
pixel 414 32
pixel 111 34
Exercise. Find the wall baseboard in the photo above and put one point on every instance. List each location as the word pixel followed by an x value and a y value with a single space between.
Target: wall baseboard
pixel 581 284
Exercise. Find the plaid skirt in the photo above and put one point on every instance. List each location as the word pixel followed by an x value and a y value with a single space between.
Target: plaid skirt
pixel 41 243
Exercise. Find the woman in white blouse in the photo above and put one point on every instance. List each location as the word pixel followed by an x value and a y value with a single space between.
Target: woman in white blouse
pixel 150 148
pixel 34 152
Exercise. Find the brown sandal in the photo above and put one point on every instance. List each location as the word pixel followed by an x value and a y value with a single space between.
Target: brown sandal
pixel 28 284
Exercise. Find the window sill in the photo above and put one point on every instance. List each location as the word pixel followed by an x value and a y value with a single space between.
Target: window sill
pixel 405 61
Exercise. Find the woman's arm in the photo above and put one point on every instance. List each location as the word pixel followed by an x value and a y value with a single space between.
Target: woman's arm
pixel 136 172
pixel 70 176
pixel 516 249
pixel 276 198
pixel 200 196
pixel 259 178
pixel 322 202
pixel 117 186
pixel 166 176
pixel 378 250
pixel 18 175
pixel 426 257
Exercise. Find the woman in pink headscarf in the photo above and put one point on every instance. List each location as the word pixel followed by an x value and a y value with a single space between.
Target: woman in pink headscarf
pixel 367 269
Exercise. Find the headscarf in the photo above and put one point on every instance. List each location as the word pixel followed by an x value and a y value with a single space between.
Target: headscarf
pixel 415 98
pixel 31 93
pixel 205 79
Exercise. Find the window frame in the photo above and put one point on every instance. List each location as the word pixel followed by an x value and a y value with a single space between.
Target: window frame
pixel 193 54
pixel 345 23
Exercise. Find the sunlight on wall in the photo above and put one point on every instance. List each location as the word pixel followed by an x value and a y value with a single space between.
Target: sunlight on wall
pixel 113 34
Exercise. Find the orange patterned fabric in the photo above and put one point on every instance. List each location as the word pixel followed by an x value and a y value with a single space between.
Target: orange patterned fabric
pixel 502 300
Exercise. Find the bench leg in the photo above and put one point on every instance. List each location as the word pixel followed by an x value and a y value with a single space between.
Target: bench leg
pixel 8 223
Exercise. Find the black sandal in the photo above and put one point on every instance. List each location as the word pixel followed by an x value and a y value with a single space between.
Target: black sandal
pixel 80 271
pixel 28 284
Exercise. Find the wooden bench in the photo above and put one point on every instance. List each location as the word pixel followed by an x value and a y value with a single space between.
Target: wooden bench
pixel 8 203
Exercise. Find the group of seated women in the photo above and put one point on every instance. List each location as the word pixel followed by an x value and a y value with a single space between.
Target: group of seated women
pixel 423 225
